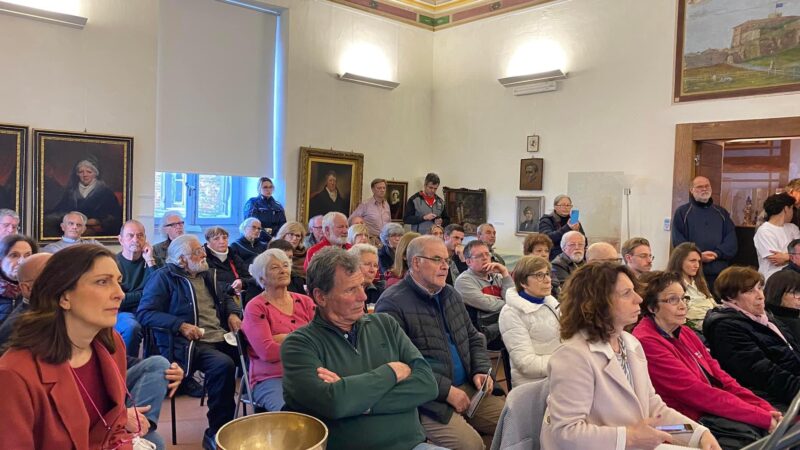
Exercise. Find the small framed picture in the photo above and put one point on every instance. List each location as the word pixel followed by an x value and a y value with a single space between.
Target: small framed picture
pixel 531 172
pixel 397 195
pixel 533 143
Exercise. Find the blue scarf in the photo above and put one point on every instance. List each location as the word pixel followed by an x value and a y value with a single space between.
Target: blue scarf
pixel 530 298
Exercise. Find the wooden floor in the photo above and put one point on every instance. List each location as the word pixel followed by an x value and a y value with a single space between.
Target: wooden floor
pixel 192 419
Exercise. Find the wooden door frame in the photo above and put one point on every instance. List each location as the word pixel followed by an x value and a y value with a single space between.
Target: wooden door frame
pixel 689 135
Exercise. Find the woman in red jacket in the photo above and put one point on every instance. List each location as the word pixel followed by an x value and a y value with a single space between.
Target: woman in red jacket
pixel 64 377
pixel 686 376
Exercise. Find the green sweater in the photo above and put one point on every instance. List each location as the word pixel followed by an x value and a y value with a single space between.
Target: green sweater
pixel 367 408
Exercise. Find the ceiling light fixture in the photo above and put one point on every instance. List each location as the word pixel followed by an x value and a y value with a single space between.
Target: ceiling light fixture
pixel 353 78
pixel 43 15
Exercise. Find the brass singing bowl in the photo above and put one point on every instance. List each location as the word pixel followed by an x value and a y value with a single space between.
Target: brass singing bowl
pixel 273 431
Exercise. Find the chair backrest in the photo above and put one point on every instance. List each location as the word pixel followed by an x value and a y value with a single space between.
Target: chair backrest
pixel 521 420
pixel 241 345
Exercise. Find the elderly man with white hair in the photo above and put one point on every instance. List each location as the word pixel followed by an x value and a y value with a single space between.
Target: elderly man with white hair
pixel 334 231
pixel 9 222
pixel 602 252
pixel 73 225
pixel 172 226
pixel 183 298
pixel 573 247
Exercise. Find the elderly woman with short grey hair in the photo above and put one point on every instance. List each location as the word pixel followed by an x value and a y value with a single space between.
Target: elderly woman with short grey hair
pixel 248 246
pixel 368 260
pixel 390 237
pixel 268 318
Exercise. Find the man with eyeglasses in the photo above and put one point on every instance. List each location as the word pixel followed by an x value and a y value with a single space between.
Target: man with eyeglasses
pixel 638 256
pixel 172 226
pixel 315 233
pixel 73 225
pixel 709 226
pixel 556 224
pixel 9 222
pixel 573 247
pixel 483 288
pixel 602 252
pixel 432 314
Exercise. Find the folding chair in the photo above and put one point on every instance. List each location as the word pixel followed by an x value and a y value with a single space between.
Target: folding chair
pixel 149 346
pixel 245 391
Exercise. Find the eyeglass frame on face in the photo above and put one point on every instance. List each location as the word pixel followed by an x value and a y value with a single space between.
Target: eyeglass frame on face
pixel 175 224
pixel 436 260
pixel 568 205
pixel 485 255
pixel 540 276
pixel 650 257
pixel 674 300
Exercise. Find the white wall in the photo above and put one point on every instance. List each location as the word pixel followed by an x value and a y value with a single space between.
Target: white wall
pixel 614 113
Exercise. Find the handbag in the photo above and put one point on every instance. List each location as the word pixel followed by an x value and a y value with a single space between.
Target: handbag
pixel 730 434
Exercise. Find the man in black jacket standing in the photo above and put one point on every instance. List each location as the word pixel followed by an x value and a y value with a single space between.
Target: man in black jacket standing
pixel 432 314
pixel 557 223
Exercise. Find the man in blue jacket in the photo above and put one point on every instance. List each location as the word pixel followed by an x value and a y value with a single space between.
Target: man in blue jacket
pixel 707 225
pixel 182 297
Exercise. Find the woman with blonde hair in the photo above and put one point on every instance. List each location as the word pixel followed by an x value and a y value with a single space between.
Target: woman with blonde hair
pixel 400 267
pixel 294 233
pixel 358 234
pixel 686 260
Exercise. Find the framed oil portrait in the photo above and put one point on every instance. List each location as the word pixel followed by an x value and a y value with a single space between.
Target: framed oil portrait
pixel 328 181
pixel 466 207
pixel 529 210
pixel 531 172
pixel 13 148
pixel 397 196
pixel 731 48
pixel 88 173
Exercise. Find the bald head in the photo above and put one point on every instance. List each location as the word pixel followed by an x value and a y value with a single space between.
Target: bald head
pixel 29 270
pixel 602 252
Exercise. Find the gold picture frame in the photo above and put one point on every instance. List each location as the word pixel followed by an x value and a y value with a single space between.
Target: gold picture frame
pixel 313 182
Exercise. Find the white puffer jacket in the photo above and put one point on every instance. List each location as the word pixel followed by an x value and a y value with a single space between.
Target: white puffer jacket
pixel 531 334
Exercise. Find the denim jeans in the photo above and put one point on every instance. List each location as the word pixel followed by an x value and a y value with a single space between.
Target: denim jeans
pixel 148 386
pixel 269 394
pixel 131 332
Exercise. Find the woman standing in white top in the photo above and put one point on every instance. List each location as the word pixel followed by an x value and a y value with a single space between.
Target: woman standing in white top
pixel 773 236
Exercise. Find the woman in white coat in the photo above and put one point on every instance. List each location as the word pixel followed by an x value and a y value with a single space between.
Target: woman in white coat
pixel 529 320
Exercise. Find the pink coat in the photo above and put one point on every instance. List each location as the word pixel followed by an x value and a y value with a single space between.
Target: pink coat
pixel 262 321
pixel 674 367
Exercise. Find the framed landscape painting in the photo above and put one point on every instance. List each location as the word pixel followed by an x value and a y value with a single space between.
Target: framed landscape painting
pixel 88 173
pixel 731 48
pixel 13 148
pixel 328 181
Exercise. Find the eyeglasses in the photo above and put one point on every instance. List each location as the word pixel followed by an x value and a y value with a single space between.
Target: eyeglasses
pixel 568 205
pixel 10 226
pixel 646 257
pixel 436 260
pixel 176 224
pixel 675 300
pixel 481 256
pixel 541 276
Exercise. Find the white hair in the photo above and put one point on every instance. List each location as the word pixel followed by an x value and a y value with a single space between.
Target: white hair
pixel 360 249
pixel 568 235
pixel 246 223
pixel 75 213
pixel 328 219
pixel 259 266
pixel 166 216
pixel 180 247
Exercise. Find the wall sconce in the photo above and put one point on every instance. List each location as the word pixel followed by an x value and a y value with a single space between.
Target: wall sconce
pixel 43 15
pixel 534 83
pixel 353 78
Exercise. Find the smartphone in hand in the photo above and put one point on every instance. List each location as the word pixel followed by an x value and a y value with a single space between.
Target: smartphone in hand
pixel 574 216
pixel 676 429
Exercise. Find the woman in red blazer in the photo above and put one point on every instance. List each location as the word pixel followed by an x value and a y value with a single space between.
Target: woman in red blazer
pixel 64 377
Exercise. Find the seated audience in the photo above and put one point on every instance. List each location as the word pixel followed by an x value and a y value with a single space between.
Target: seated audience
pixel 183 298
pixel 537 244
pixel 73 225
pixel 453 240
pixel 556 224
pixel 149 380
pixel 368 262
pixel 686 376
pixel 400 267
pixel 136 263
pixel 268 319
pixel 63 377
pixel 782 296
pixel 172 226
pixel 573 246
pixel 29 269
pixel 390 237
pixel 355 220
pixel 483 289
pixel 293 233
pixel 432 314
pixel 529 321
pixel 637 255
pixel 794 252
pixel 231 271
pixel 687 260
pixel 314 232
pixel 761 354
pixel 375 210
pixel 297 285
pixel 266 209
pixel 14 248
pixel 425 209
pixel 357 234
pixel 600 393
pixel 488 235
pixel 773 236
pixel 334 230
pixel 9 222
pixel 359 373
pixel 602 252
pixel 248 246
pixel 438 231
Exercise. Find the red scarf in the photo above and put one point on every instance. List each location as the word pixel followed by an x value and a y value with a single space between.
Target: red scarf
pixel 8 288
pixel 429 200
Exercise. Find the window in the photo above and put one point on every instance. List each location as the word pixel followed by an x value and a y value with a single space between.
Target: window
pixel 203 199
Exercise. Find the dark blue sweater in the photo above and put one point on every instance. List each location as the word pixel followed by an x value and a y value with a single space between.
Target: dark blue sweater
pixel 710 228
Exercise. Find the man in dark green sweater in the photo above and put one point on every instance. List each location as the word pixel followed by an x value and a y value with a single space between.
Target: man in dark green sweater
pixel 360 374
pixel 136 262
